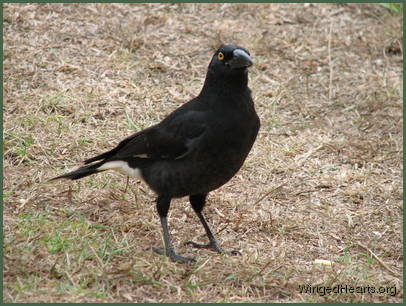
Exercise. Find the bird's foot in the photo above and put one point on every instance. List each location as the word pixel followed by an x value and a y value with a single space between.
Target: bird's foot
pixel 172 255
pixel 212 246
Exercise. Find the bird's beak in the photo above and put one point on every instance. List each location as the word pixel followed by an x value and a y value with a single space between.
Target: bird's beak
pixel 240 59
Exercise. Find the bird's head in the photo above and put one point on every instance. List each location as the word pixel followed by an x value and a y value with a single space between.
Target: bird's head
pixel 228 70
pixel 231 58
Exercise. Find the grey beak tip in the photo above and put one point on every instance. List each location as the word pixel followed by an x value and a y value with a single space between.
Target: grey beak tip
pixel 241 59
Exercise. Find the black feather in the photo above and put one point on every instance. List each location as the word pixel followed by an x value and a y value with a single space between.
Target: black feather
pixel 195 149
pixel 80 172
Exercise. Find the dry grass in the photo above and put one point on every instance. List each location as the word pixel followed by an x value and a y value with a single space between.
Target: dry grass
pixel 324 180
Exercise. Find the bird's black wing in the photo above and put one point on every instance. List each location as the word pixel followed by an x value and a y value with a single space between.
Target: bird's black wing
pixel 174 138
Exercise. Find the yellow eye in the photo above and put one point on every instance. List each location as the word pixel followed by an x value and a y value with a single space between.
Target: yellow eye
pixel 220 56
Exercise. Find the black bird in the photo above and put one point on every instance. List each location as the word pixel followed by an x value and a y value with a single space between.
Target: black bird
pixel 194 150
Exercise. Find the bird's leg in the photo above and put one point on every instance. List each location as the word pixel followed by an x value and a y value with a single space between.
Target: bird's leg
pixel 213 243
pixel 198 202
pixel 163 207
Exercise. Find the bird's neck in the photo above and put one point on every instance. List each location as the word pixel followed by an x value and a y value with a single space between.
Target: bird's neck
pixel 225 83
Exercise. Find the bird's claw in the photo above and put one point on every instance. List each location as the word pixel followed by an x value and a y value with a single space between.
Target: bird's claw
pixel 212 246
pixel 234 253
pixel 172 255
pixel 203 246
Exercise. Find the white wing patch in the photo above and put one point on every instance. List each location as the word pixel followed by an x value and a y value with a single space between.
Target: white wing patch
pixel 141 156
pixel 123 167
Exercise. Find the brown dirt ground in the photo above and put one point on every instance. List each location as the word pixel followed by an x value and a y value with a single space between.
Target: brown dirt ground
pixel 323 181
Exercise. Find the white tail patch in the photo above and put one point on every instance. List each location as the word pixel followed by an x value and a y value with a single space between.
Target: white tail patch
pixel 122 167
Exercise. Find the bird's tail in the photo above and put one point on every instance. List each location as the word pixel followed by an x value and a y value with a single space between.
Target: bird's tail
pixel 80 172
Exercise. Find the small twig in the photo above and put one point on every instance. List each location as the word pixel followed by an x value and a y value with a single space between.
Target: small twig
pixel 224 227
pixel 307 86
pixel 97 256
pixel 306 191
pixel 66 270
pixel 218 212
pixel 317 188
pixel 268 193
pixel 88 200
pixel 24 202
pixel 263 269
pixel 126 185
pixel 330 85
pixel 336 12
pixel 397 274
pixel 305 156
